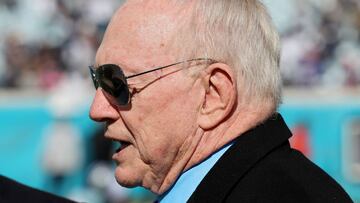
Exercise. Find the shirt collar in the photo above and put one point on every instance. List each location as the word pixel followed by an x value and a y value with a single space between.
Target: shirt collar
pixel 190 179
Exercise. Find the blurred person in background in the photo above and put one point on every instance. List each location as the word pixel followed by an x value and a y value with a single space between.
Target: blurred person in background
pixel 190 90
pixel 16 59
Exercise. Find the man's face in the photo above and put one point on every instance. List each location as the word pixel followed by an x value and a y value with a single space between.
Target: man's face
pixel 156 129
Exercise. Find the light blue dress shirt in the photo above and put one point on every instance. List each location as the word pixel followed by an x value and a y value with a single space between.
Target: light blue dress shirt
pixel 181 191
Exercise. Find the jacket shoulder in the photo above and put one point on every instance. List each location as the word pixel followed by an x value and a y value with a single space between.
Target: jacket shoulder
pixel 286 175
pixel 14 192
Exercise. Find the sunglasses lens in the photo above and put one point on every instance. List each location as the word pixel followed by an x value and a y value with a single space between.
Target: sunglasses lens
pixel 93 76
pixel 113 81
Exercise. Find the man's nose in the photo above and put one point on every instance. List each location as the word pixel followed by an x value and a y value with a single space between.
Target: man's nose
pixel 101 109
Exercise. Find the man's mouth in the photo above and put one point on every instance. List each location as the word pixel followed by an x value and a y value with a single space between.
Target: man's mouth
pixel 122 145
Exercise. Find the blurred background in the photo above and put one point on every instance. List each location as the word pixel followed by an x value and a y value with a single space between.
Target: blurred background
pixel 48 142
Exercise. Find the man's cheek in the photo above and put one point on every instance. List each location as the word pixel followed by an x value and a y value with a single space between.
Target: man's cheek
pixel 160 155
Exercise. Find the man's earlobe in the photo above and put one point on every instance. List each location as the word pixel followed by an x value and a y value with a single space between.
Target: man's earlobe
pixel 220 96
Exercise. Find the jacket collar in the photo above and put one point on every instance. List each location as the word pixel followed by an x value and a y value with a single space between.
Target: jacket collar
pixel 246 151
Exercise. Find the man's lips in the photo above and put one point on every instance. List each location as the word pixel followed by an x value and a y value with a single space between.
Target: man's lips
pixel 120 142
pixel 119 154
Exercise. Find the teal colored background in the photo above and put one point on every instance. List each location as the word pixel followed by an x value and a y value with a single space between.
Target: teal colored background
pixel 24 127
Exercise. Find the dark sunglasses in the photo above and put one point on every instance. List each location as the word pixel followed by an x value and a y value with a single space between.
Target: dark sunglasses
pixel 112 80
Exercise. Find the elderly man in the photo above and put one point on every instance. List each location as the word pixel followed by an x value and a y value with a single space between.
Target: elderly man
pixel 190 91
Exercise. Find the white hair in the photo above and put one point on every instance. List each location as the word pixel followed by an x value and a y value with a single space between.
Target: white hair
pixel 240 34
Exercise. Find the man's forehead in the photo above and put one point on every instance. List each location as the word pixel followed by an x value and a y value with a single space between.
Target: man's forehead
pixel 169 5
pixel 157 18
pixel 142 27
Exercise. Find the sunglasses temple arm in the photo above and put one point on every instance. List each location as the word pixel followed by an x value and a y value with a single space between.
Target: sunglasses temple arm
pixel 152 70
pixel 159 68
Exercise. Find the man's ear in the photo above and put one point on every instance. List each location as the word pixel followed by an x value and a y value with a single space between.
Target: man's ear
pixel 220 96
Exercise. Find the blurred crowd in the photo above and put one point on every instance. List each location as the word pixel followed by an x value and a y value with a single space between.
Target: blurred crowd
pixel 44 41
pixel 321 44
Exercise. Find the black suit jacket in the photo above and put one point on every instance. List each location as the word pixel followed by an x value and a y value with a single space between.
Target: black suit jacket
pixel 14 192
pixel 261 167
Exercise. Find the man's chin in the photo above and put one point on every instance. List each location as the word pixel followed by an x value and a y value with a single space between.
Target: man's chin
pixel 125 182
pixel 125 179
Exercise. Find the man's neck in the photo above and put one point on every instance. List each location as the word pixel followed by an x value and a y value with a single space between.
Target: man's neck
pixel 204 143
pixel 185 154
pixel 212 141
